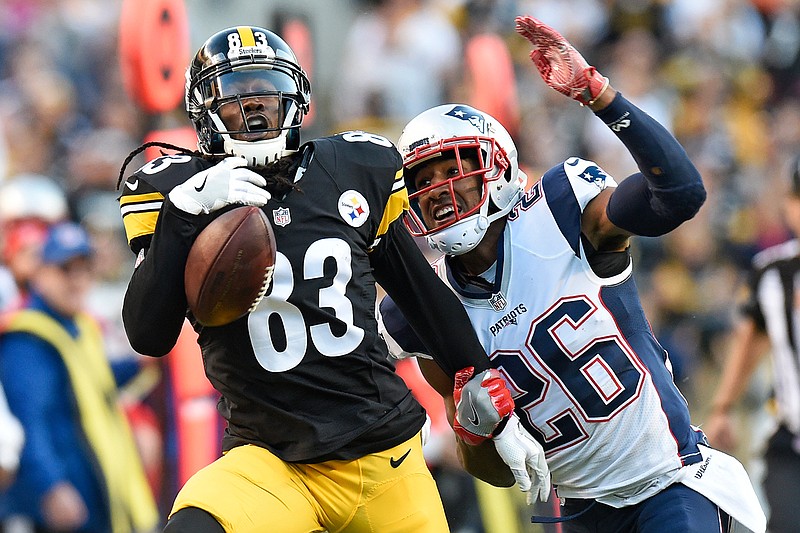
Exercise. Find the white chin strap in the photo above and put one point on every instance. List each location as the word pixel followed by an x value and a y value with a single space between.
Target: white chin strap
pixel 258 153
pixel 461 237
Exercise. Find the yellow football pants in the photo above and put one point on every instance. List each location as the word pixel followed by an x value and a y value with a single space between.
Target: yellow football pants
pixel 251 490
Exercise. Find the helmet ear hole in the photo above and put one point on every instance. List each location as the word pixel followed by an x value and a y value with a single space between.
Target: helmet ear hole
pixel 216 143
pixel 293 139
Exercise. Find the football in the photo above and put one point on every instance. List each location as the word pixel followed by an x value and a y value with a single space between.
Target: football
pixel 229 267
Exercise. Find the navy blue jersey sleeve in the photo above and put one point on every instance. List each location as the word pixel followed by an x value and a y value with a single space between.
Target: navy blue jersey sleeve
pixel 667 191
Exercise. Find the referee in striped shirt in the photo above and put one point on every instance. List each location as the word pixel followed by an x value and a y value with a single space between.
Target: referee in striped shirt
pixel 770 324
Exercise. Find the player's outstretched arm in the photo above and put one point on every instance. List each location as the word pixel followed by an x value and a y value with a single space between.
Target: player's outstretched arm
pixel 666 192
pixel 429 306
pixel 443 326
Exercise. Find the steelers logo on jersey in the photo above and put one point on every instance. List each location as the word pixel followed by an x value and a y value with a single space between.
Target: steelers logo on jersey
pixel 353 208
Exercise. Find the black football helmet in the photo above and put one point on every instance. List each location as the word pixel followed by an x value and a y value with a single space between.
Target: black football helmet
pixel 247 95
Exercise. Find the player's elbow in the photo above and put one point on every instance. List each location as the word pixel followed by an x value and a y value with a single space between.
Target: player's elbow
pixel 146 339
pixel 677 206
pixel 694 193
pixel 146 345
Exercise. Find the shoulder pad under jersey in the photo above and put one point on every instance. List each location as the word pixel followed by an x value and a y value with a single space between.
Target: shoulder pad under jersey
pixel 568 187
pixel 143 193
pixel 367 163
pixel 585 179
pixel 357 150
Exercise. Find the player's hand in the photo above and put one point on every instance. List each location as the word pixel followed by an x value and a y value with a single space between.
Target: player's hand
pixel 562 67
pixel 482 402
pixel 227 182
pixel 525 457
pixel 719 430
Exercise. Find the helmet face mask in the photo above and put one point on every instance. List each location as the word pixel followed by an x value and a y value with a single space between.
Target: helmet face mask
pixel 467 156
pixel 247 96
pixel 463 134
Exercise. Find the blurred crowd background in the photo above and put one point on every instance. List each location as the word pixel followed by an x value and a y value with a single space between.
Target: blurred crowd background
pixel 722 75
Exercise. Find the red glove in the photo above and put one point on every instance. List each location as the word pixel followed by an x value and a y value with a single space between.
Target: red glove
pixel 482 403
pixel 562 67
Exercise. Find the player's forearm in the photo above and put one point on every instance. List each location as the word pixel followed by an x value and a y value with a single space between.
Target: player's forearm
pixel 668 191
pixel 747 348
pixel 154 307
pixel 483 462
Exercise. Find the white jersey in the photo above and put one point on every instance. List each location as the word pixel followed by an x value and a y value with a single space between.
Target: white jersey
pixel 577 351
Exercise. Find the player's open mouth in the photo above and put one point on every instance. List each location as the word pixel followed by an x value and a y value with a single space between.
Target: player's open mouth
pixel 444 213
pixel 257 122
pixel 257 126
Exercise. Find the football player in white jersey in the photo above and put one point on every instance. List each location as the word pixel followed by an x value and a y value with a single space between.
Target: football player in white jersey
pixel 546 278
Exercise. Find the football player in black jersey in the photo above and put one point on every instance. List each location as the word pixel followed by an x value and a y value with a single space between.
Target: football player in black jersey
pixel 321 433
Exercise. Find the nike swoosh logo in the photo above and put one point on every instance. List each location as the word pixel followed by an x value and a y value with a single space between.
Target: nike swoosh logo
pixel 132 185
pixel 202 185
pixel 397 462
pixel 474 419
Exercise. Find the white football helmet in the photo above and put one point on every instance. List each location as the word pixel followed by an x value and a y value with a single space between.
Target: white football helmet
pixel 461 131
pixel 32 196
pixel 244 70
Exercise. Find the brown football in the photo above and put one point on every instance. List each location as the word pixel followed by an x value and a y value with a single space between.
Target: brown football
pixel 229 268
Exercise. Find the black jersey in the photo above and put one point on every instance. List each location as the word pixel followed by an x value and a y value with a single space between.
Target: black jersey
pixel 305 374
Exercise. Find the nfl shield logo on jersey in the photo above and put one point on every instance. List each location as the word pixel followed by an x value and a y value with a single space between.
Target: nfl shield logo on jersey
pixel 281 216
pixel 498 301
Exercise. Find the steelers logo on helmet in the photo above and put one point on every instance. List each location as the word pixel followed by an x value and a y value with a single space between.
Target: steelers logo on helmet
pixel 461 133
pixel 247 95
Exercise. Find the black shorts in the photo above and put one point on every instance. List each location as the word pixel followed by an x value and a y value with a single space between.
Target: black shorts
pixel 782 481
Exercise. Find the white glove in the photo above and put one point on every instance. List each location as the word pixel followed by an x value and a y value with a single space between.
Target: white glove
pixel 223 184
pixel 525 457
